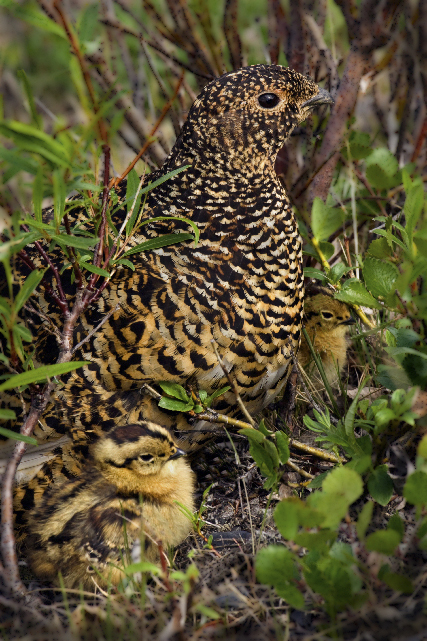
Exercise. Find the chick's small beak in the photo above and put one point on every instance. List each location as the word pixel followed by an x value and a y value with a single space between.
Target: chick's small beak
pixel 350 321
pixel 177 454
pixel 321 98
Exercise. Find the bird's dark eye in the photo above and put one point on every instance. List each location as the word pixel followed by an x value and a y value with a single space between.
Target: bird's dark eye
pixel 146 457
pixel 327 315
pixel 268 100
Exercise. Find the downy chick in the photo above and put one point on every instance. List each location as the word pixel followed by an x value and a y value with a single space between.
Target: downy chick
pixel 134 475
pixel 326 321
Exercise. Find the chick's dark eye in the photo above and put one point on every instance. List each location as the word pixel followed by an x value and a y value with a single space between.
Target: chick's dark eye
pixel 146 457
pixel 327 315
pixel 268 100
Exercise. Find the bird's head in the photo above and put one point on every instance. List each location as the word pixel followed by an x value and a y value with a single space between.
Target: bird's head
pixel 323 313
pixel 251 111
pixel 136 450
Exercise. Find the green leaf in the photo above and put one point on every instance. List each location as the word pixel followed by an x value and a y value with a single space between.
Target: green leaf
pixel 7 415
pixel 282 442
pixel 65 240
pixel 252 434
pixel 312 272
pixel 175 390
pixel 379 276
pixel 338 271
pixel 219 392
pixel 261 458
pixel 88 23
pixel 316 540
pixel 413 207
pixel 345 482
pixel 396 523
pixel 398 582
pixel 210 613
pixel 276 566
pixel 415 489
pixel 40 374
pixel 160 241
pixel 142 566
pixel 175 406
pixel 364 519
pixel 382 169
pixel 325 220
pixel 380 485
pixel 355 293
pixel 383 541
pixel 31 139
pixel 360 146
pixel 33 16
pixel 94 269
pixel 379 248
pixel 17 436
pixel 28 287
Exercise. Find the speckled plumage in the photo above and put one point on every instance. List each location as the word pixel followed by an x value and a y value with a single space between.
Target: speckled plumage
pixel 132 478
pixel 327 322
pixel 241 286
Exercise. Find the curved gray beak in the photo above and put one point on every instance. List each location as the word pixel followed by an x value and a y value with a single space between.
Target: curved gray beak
pixel 350 321
pixel 177 454
pixel 322 98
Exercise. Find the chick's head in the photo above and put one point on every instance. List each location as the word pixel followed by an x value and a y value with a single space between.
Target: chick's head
pixel 324 314
pixel 251 111
pixel 141 450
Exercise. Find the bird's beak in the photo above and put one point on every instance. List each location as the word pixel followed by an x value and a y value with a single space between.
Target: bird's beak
pixel 350 321
pixel 177 454
pixel 321 98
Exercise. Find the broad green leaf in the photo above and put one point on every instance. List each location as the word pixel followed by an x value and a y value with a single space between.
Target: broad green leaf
pixel 325 220
pixel 175 406
pixel 382 169
pixel 379 276
pixel 282 442
pixel 32 139
pixel 415 489
pixel 18 160
pixel 142 566
pixel 16 436
pixel 33 15
pixel 28 287
pixel 252 434
pixel 7 415
pixel 379 248
pixel 94 269
pixel 338 271
pixel 275 565
pixel 175 390
pixel 261 458
pixel 40 374
pixel 355 293
pixel 160 241
pixel 312 272
pixel 78 242
pixel 345 482
pixel 398 582
pixel 396 523
pixel 413 207
pixel 364 519
pixel 383 541
pixel 380 485
pixel 286 517
pixel 316 540
pixel 88 23
pixel 422 447
pixel 360 146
